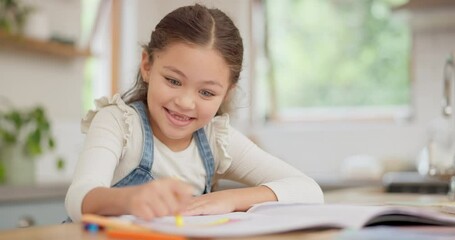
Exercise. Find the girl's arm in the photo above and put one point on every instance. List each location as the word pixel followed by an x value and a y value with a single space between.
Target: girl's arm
pixel 98 160
pixel 272 178
pixel 254 167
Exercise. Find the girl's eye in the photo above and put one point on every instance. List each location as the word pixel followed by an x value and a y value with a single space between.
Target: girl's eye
pixel 173 82
pixel 206 93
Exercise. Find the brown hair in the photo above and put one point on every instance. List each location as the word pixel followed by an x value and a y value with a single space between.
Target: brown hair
pixel 196 25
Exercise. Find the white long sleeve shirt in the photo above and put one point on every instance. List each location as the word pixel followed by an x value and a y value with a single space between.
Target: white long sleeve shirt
pixel 113 148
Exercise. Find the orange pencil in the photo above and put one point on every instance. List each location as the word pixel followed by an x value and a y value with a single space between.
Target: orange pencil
pixel 119 234
pixel 126 230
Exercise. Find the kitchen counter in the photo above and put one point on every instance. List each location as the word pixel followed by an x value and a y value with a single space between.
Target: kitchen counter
pixel 58 190
pixel 10 193
pixel 32 205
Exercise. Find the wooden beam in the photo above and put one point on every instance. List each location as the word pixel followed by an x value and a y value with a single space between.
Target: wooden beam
pixel 426 4
pixel 115 50
pixel 23 43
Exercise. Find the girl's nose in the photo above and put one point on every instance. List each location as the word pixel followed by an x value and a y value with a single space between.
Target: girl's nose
pixel 186 101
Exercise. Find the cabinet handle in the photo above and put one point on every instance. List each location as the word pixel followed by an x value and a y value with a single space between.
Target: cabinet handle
pixel 25 221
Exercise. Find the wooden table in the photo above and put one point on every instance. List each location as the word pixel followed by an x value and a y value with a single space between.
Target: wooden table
pixel 359 195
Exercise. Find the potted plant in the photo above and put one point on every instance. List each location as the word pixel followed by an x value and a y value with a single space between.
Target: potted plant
pixel 25 134
pixel 13 15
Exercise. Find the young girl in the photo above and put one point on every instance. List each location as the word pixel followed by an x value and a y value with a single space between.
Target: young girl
pixel 161 148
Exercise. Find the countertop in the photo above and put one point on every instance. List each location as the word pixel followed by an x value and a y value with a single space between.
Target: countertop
pixel 46 191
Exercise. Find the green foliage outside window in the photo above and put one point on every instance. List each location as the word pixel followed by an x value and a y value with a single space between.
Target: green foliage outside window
pixel 327 53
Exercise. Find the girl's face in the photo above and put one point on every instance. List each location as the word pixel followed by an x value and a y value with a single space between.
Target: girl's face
pixel 186 86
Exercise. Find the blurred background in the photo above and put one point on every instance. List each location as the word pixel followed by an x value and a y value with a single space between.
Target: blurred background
pixel 353 93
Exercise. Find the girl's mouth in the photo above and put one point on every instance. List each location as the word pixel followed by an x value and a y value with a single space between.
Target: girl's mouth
pixel 177 118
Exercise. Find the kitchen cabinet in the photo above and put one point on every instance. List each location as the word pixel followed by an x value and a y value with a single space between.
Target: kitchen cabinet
pixel 24 206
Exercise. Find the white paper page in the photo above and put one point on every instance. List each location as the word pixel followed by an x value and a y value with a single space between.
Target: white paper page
pixel 353 216
pixel 239 224
pixel 261 219
pixel 273 218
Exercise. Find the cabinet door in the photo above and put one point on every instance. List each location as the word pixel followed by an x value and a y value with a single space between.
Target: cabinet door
pixel 33 213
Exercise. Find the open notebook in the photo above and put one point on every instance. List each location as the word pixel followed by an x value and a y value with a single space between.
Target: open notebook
pixel 275 217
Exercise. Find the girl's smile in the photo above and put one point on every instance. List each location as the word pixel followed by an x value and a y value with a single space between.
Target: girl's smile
pixel 179 120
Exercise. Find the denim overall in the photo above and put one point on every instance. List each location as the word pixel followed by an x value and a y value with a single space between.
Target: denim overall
pixel 142 173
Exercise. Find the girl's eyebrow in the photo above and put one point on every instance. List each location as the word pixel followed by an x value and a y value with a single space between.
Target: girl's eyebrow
pixel 175 70
pixel 215 83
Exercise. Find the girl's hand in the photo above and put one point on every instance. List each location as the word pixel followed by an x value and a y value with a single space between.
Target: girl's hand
pixel 161 197
pixel 211 203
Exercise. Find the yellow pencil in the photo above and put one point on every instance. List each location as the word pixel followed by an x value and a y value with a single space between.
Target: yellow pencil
pixel 178 217
pixel 179 220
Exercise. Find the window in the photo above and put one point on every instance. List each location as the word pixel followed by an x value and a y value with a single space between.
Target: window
pixel 334 59
pixel 95 34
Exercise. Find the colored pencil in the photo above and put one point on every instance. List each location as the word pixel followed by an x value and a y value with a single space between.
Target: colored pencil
pixel 119 234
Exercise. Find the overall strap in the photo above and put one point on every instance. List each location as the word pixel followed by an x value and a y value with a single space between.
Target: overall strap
pixel 147 151
pixel 207 157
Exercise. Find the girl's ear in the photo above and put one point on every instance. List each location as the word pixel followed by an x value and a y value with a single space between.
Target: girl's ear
pixel 145 66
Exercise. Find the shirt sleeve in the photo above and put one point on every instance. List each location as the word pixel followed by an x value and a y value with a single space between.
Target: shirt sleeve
pixel 98 159
pixel 253 166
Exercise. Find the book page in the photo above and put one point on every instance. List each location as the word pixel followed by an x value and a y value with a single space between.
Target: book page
pixel 358 216
pixel 227 225
pixel 270 218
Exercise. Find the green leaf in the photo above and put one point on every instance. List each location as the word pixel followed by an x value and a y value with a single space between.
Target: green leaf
pixel 16 118
pixel 60 163
pixel 7 137
pixel 2 173
pixel 33 143
pixel 51 143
